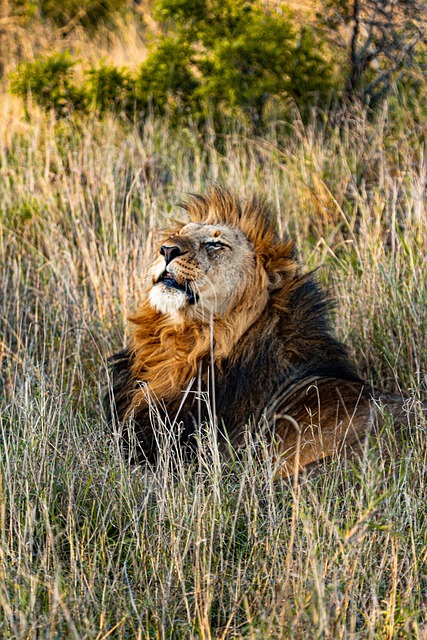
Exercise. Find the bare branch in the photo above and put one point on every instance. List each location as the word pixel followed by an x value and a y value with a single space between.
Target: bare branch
pixel 385 32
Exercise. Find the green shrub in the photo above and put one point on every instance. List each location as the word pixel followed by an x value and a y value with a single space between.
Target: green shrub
pixel 231 57
pixel 50 83
pixel 110 88
pixel 89 13
pixel 166 82
pixel 244 69
pixel 224 58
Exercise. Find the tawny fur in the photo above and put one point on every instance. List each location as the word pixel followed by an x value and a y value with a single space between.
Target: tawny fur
pixel 267 346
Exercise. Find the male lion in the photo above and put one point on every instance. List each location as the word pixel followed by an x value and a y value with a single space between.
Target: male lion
pixel 229 314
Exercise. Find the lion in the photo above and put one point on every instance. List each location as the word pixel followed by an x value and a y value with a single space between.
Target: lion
pixel 229 315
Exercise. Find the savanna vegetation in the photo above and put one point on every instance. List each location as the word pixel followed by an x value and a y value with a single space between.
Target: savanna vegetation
pixel 97 144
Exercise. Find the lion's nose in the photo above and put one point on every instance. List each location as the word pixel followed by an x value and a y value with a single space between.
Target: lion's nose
pixel 170 253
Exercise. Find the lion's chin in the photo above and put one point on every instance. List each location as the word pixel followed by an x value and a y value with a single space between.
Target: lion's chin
pixel 167 300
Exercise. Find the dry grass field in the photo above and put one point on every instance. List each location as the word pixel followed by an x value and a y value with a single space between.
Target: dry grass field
pixel 92 548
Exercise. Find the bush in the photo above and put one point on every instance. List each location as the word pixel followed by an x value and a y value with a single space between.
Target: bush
pixel 90 14
pixel 110 89
pixel 49 81
pixel 166 82
pixel 232 56
pixel 223 58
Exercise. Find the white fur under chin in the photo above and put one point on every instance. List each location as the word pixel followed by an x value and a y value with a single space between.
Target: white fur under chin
pixel 166 300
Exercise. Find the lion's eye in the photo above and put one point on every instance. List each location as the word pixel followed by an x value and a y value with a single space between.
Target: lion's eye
pixel 213 245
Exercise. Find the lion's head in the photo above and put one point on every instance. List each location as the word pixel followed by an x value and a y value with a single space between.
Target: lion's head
pixel 226 257
pixel 204 270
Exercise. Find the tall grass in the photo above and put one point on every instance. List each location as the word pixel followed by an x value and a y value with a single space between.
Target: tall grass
pixel 94 548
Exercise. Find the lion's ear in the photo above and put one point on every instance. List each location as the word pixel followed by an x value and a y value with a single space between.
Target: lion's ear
pixel 279 279
pixel 280 266
pixel 275 281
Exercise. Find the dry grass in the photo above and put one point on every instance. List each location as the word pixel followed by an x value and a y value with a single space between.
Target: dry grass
pixel 123 42
pixel 92 548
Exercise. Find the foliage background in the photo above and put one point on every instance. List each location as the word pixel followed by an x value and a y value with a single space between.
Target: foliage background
pixel 93 548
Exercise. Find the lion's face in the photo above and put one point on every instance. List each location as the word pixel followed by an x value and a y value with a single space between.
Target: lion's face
pixel 203 271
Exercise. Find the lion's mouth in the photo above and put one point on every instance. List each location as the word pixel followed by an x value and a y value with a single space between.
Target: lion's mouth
pixel 168 279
